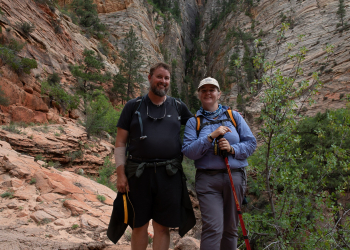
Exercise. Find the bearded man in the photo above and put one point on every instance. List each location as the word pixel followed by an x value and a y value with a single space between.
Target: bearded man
pixel 152 175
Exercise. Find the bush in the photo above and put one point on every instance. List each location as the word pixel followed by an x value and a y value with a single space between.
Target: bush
pixel 56 26
pixel 103 48
pixel 75 155
pixel 32 181
pixel 8 194
pixel 189 170
pixel 100 115
pixel 75 226
pixel 15 45
pixel 105 172
pixel 53 164
pixel 12 128
pixel 101 198
pixel 4 101
pixel 19 65
pixel 27 64
pixel 86 12
pixel 25 27
pixel 39 157
pixel 53 89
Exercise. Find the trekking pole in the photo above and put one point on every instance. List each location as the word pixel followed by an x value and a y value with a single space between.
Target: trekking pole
pixel 237 203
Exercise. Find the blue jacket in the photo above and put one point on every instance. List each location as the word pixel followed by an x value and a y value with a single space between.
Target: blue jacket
pixel 202 151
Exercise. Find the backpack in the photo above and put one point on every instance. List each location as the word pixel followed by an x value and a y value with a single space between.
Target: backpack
pixel 200 124
pixel 137 106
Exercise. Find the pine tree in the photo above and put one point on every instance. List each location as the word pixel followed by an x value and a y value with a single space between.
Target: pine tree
pixel 173 84
pixel 89 74
pixel 87 14
pixel 128 79
pixel 341 11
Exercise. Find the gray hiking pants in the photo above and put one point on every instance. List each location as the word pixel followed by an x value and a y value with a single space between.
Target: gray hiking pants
pixel 218 209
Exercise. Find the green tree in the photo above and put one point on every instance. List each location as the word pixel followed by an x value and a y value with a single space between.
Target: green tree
pixel 341 12
pixel 55 92
pixel 129 75
pixel 89 74
pixel 8 55
pixel 290 209
pixel 87 14
pixel 100 115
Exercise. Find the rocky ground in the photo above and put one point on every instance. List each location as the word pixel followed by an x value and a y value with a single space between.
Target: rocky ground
pixel 59 206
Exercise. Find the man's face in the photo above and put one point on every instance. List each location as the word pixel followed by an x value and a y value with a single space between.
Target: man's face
pixel 160 81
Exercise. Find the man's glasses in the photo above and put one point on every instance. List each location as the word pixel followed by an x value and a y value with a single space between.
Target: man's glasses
pixel 157 118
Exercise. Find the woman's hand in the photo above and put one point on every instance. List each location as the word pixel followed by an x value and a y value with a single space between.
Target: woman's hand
pixel 220 131
pixel 224 145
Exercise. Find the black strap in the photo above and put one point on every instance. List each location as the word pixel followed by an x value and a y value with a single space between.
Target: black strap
pixel 178 106
pixel 140 99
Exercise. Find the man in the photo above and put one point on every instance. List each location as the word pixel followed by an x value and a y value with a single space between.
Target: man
pixel 152 176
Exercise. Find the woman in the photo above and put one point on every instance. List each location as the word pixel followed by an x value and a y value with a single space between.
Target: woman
pixel 214 192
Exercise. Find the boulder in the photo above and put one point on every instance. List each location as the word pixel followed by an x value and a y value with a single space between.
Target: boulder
pixel 187 243
pixel 35 103
pixel 42 217
pixel 27 193
pixel 40 117
pixel 74 114
pixel 49 197
pixel 60 222
pixel 22 114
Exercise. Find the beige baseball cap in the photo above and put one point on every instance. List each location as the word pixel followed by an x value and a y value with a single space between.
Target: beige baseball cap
pixel 208 80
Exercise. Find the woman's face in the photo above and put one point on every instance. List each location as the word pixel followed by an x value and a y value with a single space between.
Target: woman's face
pixel 209 95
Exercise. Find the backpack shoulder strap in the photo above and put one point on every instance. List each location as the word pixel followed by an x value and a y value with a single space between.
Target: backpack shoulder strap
pixel 178 105
pixel 137 104
pixel 199 124
pixel 229 115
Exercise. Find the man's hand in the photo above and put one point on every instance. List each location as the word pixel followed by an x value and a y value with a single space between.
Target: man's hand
pixel 122 180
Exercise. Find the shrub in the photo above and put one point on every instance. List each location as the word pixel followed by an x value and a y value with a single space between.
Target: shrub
pixel 75 226
pixel 75 155
pixel 8 194
pixel 12 128
pixel 103 48
pixel 43 129
pixel 101 198
pixel 127 235
pixel 53 89
pixel 25 27
pixel 100 115
pixel 53 164
pixel 32 181
pixel 9 57
pixel 15 45
pixel 56 26
pixel 27 64
pixel 60 128
pixel 4 101
pixel 105 172
pixel 39 157
pixel 189 170
pixel 86 12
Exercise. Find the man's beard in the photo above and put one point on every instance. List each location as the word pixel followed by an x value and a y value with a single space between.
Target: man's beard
pixel 159 92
